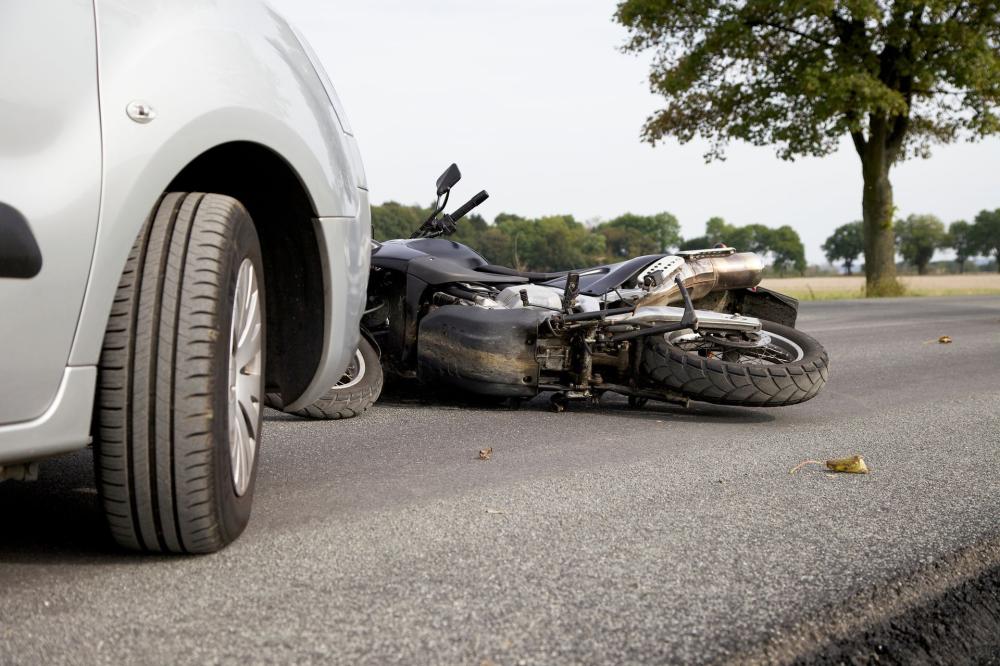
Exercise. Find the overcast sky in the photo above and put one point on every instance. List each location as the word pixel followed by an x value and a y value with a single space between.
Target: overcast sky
pixel 535 102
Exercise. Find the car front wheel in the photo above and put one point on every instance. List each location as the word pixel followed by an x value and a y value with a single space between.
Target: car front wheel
pixel 181 380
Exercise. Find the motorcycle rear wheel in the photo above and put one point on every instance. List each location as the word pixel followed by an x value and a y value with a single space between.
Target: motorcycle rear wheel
pixel 791 369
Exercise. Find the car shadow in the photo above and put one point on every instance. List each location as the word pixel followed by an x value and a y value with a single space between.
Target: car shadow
pixel 56 519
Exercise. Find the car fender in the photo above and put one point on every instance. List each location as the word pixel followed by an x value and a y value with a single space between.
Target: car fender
pixel 244 63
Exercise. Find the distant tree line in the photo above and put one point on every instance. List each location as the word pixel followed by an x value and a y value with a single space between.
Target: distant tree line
pixel 560 242
pixel 919 236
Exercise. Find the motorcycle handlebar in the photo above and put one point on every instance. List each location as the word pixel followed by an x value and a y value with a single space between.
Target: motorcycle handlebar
pixel 469 205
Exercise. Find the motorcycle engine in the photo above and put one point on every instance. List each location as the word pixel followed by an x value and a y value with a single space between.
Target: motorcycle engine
pixel 538 296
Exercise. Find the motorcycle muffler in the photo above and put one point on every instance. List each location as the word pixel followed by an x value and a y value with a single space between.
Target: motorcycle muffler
pixel 702 272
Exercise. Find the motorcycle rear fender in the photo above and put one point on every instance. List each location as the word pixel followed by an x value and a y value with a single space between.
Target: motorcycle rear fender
pixel 489 352
pixel 764 303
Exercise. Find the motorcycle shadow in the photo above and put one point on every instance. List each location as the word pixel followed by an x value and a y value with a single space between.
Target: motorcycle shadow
pixel 609 405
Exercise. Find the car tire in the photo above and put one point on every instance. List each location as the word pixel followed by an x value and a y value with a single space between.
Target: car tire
pixel 180 381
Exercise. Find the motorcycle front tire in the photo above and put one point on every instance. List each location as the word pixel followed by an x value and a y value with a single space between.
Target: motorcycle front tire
pixel 352 396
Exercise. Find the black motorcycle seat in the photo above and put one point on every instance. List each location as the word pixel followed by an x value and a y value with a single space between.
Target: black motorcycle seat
pixel 594 281
pixel 533 277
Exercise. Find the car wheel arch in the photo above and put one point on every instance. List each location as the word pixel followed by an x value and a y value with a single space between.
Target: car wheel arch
pixel 282 211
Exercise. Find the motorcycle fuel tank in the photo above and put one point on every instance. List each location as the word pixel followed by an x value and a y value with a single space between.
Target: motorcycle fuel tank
pixel 435 261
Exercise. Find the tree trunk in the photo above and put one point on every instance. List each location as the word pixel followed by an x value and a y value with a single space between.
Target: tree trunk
pixel 880 246
pixel 847 265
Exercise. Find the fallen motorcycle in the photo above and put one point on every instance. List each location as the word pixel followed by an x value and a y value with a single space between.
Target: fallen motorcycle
pixel 668 327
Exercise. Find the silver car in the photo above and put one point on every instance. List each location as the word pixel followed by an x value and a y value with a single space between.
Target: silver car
pixel 184 225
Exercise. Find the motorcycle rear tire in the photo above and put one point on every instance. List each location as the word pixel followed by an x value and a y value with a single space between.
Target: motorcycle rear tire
pixel 714 380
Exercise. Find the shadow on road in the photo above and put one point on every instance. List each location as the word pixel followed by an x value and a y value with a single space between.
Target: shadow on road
pixel 56 519
pixel 611 405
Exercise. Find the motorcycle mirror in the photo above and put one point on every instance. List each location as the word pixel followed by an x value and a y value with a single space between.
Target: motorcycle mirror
pixel 448 179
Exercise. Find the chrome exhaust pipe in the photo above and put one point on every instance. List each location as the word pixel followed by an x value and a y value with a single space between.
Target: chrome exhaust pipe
pixel 702 273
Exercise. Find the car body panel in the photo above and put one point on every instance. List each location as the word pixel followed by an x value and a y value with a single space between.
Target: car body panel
pixel 246 65
pixel 50 171
pixel 213 72
pixel 64 426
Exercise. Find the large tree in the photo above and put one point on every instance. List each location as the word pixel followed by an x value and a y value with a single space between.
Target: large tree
pixel 846 243
pixel 918 236
pixel 894 75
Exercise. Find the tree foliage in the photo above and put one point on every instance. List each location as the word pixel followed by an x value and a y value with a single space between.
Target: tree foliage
pixel 394 220
pixel 800 74
pixel 559 242
pixel 786 250
pixel 552 243
pixel 633 235
pixel 894 75
pixel 782 245
pixel 918 236
pixel 845 244
pixel 986 234
pixel 960 239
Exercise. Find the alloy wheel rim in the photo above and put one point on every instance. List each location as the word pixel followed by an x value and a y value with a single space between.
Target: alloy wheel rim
pixel 245 386
pixel 355 372
pixel 773 349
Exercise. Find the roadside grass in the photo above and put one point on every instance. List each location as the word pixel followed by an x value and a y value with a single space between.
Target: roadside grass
pixel 841 288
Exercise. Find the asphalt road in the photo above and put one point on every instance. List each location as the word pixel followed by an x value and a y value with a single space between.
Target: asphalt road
pixel 601 535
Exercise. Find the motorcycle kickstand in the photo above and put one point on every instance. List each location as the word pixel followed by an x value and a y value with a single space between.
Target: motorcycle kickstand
pixel 558 402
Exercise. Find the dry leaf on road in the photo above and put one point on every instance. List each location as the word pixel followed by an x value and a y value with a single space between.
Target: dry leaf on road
pixel 486 454
pixel 852 465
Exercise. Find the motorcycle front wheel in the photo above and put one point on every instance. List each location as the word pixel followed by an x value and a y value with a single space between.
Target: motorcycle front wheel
pixel 788 368
pixel 357 390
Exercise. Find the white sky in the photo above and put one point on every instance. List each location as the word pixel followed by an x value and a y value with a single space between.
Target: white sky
pixel 534 101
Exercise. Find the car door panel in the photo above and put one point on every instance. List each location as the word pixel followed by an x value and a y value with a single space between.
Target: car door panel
pixel 50 177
